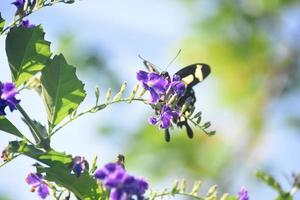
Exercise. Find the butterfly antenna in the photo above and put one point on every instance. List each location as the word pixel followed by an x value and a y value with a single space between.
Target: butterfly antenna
pixel 173 59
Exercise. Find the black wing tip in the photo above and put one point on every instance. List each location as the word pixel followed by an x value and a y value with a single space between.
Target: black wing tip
pixel 205 69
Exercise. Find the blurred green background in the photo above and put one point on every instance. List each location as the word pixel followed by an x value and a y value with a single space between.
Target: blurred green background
pixel 251 96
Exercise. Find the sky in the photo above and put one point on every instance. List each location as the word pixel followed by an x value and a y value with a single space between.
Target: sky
pixel 124 29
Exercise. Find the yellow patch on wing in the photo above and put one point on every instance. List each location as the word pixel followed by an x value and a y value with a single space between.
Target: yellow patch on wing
pixel 198 73
pixel 187 80
pixel 182 118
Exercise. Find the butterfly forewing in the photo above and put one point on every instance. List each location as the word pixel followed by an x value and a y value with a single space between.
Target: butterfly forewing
pixel 150 67
pixel 193 74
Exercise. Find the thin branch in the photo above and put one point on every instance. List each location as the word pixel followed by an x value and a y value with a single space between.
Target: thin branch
pixel 94 110
pixel 19 19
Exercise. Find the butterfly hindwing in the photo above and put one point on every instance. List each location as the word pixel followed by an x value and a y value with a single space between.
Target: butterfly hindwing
pixel 193 74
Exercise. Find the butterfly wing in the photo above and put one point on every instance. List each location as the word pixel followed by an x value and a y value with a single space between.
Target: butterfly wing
pixel 150 67
pixel 193 74
pixel 190 75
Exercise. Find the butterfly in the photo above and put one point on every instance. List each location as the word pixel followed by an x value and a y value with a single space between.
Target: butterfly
pixel 190 75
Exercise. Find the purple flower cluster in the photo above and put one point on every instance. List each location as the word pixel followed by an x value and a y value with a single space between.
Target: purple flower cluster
pixel 154 83
pixel 8 92
pixel 19 3
pixel 78 165
pixel 162 91
pixel 122 186
pixel 26 23
pixel 36 180
pixel 166 116
pixel 243 194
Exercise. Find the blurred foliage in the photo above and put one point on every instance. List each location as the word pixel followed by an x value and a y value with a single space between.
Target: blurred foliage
pixel 89 59
pixel 273 183
pixel 254 56
pixel 202 156
pixel 3 197
pixel 249 46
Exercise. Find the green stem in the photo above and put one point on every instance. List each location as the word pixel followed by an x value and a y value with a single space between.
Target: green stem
pixel 197 125
pixel 1 165
pixel 35 131
pixel 16 21
pixel 94 110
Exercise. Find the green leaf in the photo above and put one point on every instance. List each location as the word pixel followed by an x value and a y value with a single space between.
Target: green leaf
pixel 270 180
pixel 27 52
pixel 59 171
pixel 285 196
pixel 7 126
pixel 49 158
pixel 84 187
pixel 2 23
pixel 62 90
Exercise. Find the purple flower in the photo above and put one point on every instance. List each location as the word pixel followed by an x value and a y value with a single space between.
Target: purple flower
pixel 36 180
pixel 8 92
pixel 122 186
pixel 177 85
pixel 156 84
pixel 166 117
pixel 79 164
pixel 243 194
pixel 18 3
pixel 26 23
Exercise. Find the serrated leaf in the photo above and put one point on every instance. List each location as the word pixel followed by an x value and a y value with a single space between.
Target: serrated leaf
pixel 84 187
pixel 269 180
pixel 27 52
pixel 7 126
pixel 49 158
pixel 2 23
pixel 62 90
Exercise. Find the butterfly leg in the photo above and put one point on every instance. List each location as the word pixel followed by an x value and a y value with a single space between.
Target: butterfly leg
pixel 189 130
pixel 167 135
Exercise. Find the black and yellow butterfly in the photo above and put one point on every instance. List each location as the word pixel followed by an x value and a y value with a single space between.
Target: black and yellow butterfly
pixel 190 75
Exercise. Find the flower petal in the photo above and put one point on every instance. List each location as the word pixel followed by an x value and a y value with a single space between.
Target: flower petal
pixel 34 179
pixel 152 120
pixel 154 97
pixel 43 190
pixel 142 76
pixel 116 194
